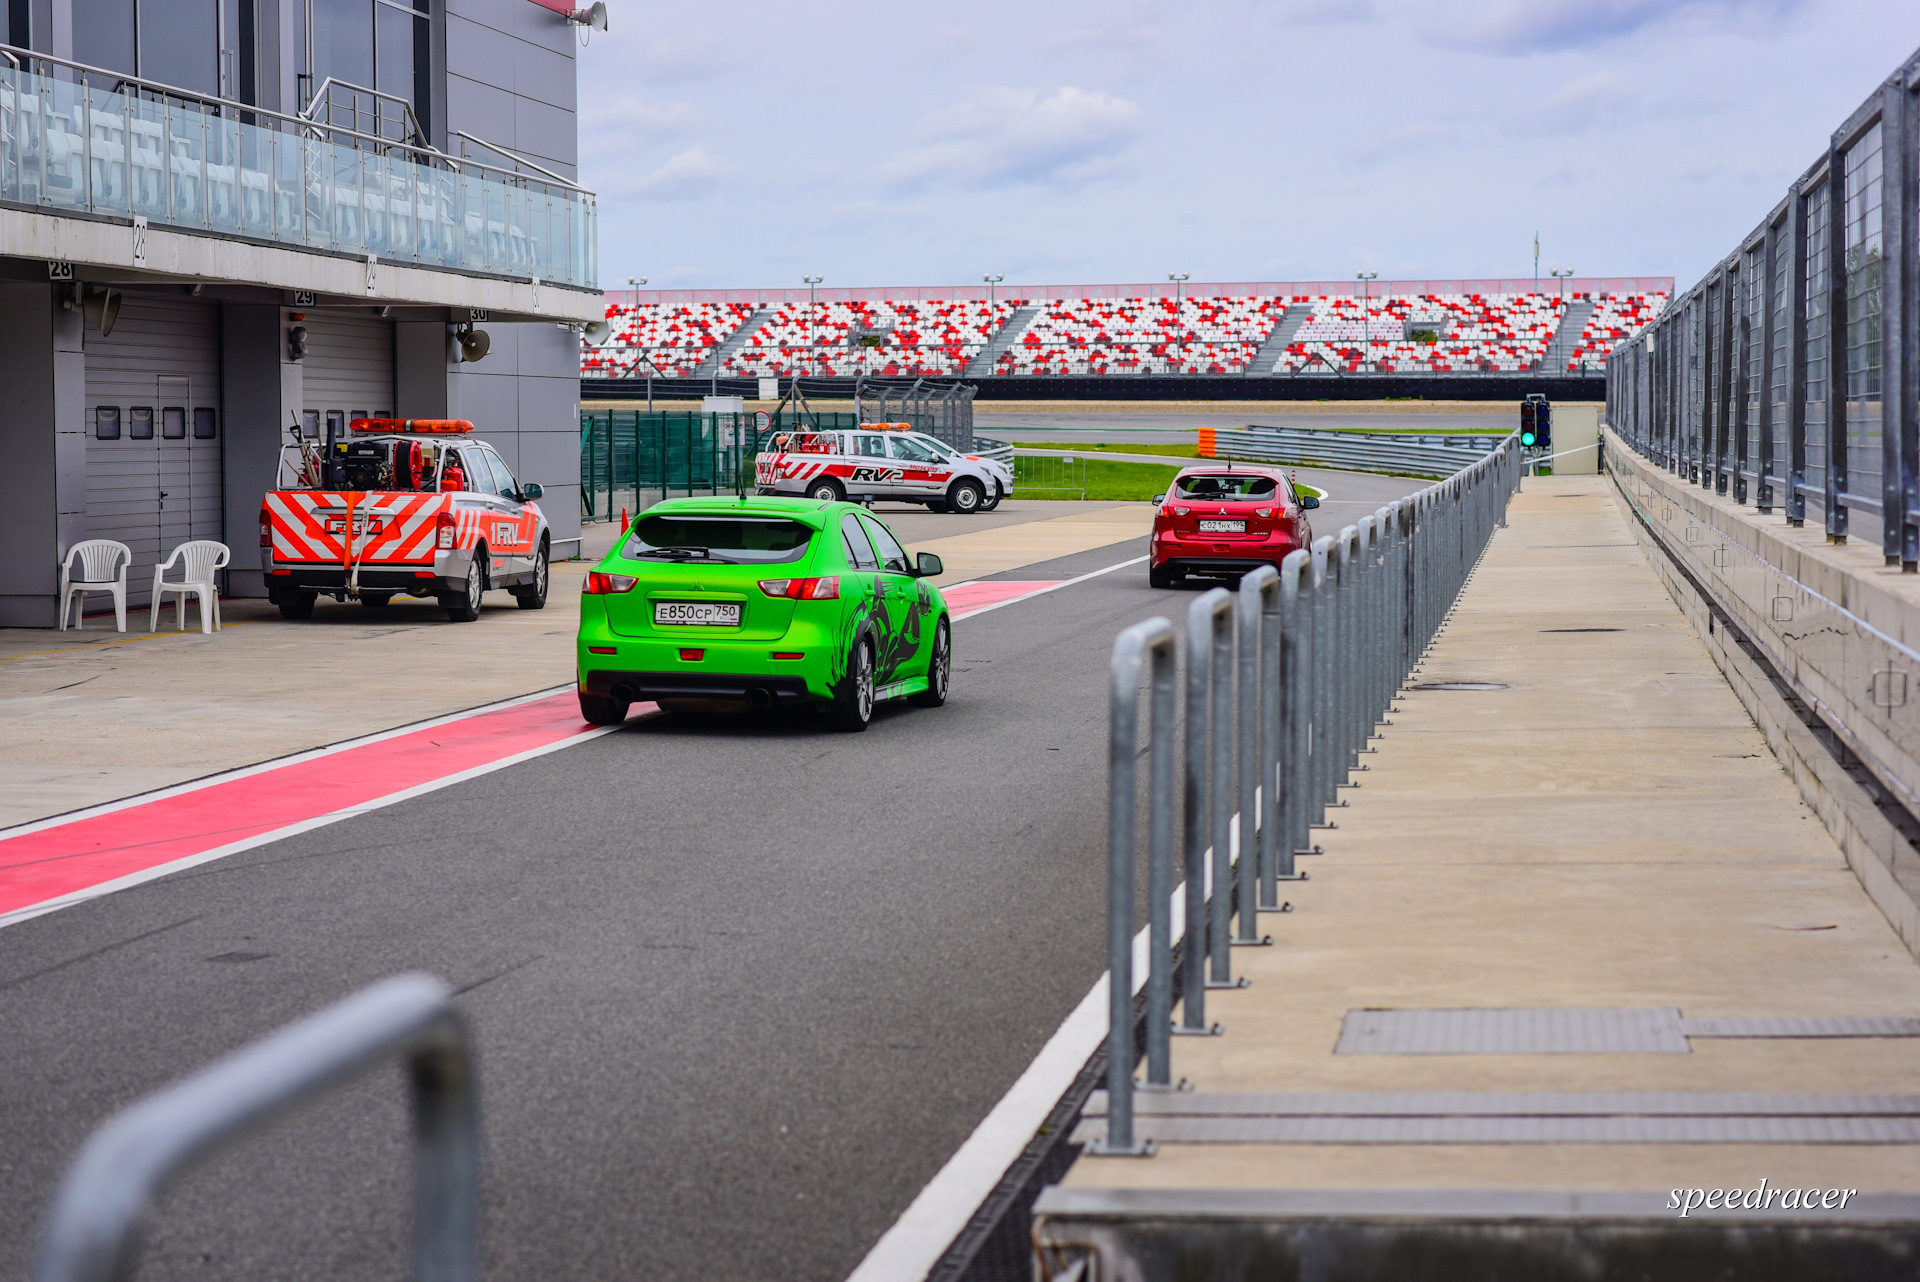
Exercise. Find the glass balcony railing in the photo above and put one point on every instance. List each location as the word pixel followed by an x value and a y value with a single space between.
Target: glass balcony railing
pixel 75 138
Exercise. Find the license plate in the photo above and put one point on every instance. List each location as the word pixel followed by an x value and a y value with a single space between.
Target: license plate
pixel 1223 527
pixel 361 525
pixel 697 614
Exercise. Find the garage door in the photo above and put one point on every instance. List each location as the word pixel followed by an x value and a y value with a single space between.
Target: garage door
pixel 349 368
pixel 154 430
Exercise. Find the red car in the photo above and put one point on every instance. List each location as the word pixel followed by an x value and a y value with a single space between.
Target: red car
pixel 1220 520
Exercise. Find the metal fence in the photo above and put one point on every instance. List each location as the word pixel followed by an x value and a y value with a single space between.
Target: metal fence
pixel 633 459
pixel 943 411
pixel 1049 476
pixel 1787 377
pixel 1284 687
pixel 1408 453
pixel 92 1233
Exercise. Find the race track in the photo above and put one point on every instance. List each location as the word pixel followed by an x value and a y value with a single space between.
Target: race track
pixel 739 986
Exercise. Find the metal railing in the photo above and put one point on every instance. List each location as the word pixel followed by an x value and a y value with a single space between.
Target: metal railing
pixel 1408 453
pixel 92 1233
pixel 81 139
pixel 1284 688
pixel 634 458
pixel 1785 377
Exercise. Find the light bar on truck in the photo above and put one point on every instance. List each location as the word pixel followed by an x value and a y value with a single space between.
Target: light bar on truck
pixel 427 425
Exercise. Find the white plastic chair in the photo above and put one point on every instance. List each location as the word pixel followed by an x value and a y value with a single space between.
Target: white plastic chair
pixel 103 568
pixel 199 561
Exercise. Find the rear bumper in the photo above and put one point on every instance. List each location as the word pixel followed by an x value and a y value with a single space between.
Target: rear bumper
pixel 1222 565
pixel 736 687
pixel 321 578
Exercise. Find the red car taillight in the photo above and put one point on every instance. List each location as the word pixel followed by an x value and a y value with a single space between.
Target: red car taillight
pixel 599 584
pixel 266 530
pixel 827 589
pixel 444 523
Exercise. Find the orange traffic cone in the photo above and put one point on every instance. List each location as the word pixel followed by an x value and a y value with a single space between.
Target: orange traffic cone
pixel 623 520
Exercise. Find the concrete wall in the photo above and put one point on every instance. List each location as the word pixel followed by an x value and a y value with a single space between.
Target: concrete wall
pixel 1805 630
pixel 523 399
pixel 260 395
pixel 510 80
pixel 43 452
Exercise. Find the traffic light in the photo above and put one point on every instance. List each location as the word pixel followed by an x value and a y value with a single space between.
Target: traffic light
pixel 1536 422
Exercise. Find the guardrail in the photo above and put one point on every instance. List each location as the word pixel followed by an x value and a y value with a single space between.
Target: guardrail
pixel 1406 453
pixel 998 451
pixel 1283 690
pixel 92 1233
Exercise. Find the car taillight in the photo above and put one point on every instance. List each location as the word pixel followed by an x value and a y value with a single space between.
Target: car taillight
pixel 444 523
pixel 827 589
pixel 1263 511
pixel 1179 511
pixel 266 530
pixel 599 584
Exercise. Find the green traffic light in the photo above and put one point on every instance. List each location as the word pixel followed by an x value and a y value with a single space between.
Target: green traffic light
pixel 1526 438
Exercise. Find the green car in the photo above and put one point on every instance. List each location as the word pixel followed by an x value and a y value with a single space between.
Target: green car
pixel 767 602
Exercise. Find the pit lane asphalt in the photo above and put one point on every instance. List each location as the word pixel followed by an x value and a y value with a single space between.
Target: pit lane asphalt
pixel 739 987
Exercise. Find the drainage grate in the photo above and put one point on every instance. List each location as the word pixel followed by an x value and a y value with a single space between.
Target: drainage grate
pixel 1897 1027
pixel 1595 1031
pixel 1512 1104
pixel 1517 1130
pixel 1583 629
pixel 1460 685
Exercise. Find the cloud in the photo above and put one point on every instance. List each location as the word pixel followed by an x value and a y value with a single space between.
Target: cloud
pixel 1538 26
pixel 689 175
pixel 1003 137
pixel 1511 27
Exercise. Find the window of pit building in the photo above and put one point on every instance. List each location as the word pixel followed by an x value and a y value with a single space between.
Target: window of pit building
pixel 205 423
pixel 140 423
pixel 173 423
pixel 106 422
pixel 385 44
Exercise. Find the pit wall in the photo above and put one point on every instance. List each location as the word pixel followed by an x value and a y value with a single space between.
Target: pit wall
pixel 1821 642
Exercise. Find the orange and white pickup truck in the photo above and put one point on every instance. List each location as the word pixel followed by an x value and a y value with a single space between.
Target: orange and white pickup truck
pixel 401 507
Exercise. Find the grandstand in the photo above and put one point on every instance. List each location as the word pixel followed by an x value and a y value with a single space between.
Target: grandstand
pixel 1616 318
pixel 1272 333
pixel 886 339
pixel 1065 337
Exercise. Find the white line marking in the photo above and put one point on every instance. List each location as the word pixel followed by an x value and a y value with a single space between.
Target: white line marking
pixel 924 1231
pixel 1064 583
pixel 44 907
pixel 272 763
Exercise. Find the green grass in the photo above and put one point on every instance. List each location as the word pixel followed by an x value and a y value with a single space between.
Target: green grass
pixel 1109 481
pixel 1174 451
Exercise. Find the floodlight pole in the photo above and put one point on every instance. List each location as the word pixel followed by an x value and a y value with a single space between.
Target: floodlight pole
pixel 992 279
pixel 1559 330
pixel 1366 280
pixel 811 317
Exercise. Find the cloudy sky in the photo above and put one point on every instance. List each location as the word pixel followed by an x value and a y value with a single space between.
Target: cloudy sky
pixel 749 144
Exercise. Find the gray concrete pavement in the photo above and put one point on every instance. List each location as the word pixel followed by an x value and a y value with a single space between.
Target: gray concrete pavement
pixel 739 987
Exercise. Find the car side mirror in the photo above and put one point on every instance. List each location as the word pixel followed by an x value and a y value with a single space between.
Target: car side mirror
pixel 531 491
pixel 1309 501
pixel 927 565
pixel 1158 499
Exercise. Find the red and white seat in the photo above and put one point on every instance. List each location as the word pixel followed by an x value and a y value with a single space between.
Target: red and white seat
pixel 1142 336
pixel 1473 332
pixel 1615 318
pixel 674 337
pixel 923 338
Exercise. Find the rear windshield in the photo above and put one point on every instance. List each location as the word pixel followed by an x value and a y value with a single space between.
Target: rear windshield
pixel 1239 485
pixel 717 540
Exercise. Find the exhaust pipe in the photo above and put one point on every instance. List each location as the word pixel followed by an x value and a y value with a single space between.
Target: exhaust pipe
pixel 759 697
pixel 628 693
